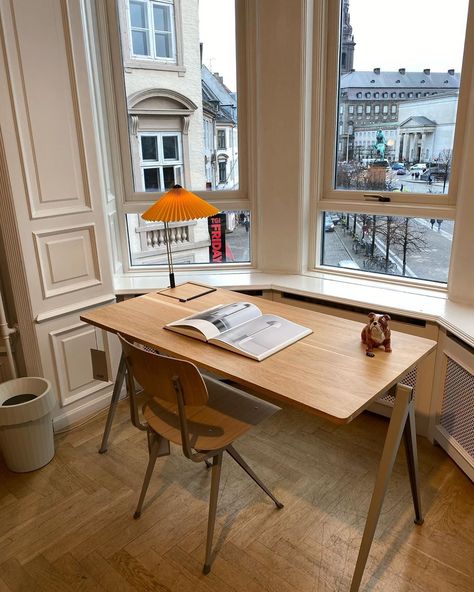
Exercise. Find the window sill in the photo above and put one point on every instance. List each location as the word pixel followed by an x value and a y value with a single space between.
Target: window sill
pixel 420 303
pixel 154 65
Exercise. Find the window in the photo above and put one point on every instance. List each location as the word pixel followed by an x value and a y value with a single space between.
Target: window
pixel 221 144
pixel 351 109
pixel 147 247
pixel 359 95
pixel 416 135
pixel 161 163
pixel 152 29
pixel 391 245
pixel 222 171
pixel 360 109
pixel 172 104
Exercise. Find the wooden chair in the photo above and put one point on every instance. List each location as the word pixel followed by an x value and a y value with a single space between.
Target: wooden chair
pixel 201 414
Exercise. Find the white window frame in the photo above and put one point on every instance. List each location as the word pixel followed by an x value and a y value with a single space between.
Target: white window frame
pixel 325 106
pixel 161 162
pixel 221 133
pixel 132 201
pixel 409 200
pixel 151 31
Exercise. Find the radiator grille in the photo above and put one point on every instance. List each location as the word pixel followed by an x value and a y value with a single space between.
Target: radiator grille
pixel 409 379
pixel 457 414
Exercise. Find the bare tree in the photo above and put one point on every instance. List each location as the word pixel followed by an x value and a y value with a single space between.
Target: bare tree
pixel 400 235
pixel 444 164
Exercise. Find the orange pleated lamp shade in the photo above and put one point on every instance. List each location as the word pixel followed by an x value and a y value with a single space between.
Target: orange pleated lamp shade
pixel 179 205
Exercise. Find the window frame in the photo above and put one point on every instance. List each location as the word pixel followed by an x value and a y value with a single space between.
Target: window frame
pixel 161 162
pixel 131 201
pixel 121 12
pixel 330 195
pixel 221 133
pixel 326 22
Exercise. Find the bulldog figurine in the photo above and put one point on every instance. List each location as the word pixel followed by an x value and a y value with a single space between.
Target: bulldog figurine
pixel 376 332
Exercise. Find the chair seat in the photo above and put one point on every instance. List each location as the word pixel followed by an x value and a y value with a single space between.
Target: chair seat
pixel 229 413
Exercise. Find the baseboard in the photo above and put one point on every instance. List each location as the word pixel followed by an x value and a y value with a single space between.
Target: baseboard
pixel 68 418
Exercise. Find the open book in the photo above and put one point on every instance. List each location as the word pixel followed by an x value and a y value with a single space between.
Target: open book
pixel 241 328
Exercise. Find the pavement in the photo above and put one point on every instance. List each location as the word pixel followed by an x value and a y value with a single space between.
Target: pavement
pixel 238 243
pixel 430 263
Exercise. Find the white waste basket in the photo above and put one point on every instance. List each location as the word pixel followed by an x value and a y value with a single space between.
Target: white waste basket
pixel 26 429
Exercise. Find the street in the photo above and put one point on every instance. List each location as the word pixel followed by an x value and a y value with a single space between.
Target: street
pixel 427 257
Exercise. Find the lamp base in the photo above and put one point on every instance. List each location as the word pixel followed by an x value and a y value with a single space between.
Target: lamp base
pixel 187 291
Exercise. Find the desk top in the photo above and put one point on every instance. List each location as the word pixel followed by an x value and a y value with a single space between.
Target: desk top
pixel 326 373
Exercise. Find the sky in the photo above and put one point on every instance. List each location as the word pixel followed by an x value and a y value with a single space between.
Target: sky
pixel 411 34
pixel 217 33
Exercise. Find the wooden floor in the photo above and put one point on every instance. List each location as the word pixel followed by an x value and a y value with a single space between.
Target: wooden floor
pixel 69 525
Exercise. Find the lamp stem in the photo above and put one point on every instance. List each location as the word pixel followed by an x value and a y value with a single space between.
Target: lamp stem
pixel 168 254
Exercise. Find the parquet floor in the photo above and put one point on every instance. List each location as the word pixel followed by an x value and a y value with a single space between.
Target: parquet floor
pixel 69 526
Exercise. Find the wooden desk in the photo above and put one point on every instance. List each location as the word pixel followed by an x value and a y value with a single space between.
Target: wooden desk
pixel 326 373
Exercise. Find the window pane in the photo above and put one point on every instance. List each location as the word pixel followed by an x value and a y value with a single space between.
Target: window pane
pixel 420 129
pixel 161 17
pixel 163 45
pixel 222 172
pixel 140 43
pixel 151 179
pixel 221 239
pixel 168 177
pixel 138 15
pixel 149 148
pixel 170 148
pixel 177 90
pixel 399 246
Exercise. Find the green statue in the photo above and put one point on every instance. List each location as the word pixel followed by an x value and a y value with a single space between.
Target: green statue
pixel 380 144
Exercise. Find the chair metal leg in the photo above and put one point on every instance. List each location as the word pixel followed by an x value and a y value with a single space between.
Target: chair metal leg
pixel 113 403
pixel 154 446
pixel 409 436
pixel 215 479
pixel 391 446
pixel 240 461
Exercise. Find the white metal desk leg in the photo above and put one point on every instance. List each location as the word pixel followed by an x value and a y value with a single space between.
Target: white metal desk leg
pixel 113 403
pixel 392 443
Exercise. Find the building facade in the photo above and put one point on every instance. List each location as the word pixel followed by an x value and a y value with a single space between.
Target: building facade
pixel 373 100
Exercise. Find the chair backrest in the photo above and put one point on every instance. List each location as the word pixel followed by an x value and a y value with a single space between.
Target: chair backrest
pixel 157 374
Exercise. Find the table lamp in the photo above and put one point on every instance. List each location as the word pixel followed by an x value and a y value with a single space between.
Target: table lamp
pixel 177 205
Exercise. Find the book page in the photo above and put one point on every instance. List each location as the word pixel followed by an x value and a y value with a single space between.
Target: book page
pixel 261 337
pixel 214 321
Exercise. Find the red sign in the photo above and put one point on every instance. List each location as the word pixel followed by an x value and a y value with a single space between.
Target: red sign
pixel 217 252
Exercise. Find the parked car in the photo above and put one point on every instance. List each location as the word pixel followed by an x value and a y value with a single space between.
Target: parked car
pixel 328 225
pixel 420 167
pixel 348 264
pixel 402 171
pixel 397 166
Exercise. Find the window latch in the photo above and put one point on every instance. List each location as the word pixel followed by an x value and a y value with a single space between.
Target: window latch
pixel 370 197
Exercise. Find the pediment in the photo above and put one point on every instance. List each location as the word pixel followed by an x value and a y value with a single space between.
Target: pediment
pixel 160 101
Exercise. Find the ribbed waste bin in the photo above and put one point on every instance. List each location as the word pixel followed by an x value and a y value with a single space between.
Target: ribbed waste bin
pixel 26 429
